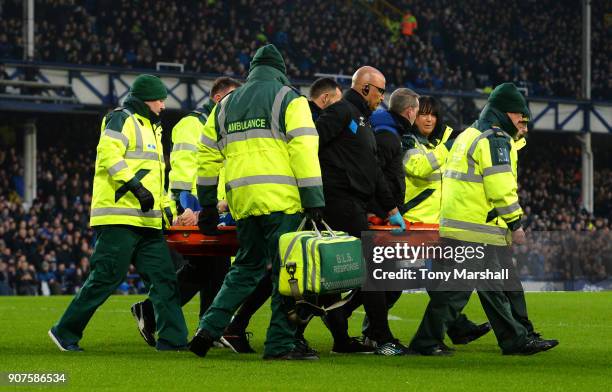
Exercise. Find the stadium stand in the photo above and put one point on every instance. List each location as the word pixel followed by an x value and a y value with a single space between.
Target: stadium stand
pixel 448 50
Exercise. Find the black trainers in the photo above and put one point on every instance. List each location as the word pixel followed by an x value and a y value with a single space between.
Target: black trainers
pixel 548 343
pixel 533 346
pixel 365 340
pixel 439 350
pixel 201 343
pixel 164 346
pixel 352 346
pixel 302 345
pixel 294 355
pixel 471 335
pixel 238 343
pixel 63 346
pixel 391 349
pixel 145 320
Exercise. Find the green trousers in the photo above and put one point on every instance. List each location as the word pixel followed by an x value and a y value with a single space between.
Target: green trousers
pixel 117 247
pixel 515 297
pixel 445 307
pixel 258 237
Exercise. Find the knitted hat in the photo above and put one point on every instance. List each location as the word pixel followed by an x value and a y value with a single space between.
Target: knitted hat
pixel 268 55
pixel 149 88
pixel 506 98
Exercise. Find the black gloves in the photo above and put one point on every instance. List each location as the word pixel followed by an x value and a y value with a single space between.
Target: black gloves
pixel 208 220
pixel 145 198
pixel 314 213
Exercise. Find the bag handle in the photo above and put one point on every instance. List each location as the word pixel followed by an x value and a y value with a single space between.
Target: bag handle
pixel 316 229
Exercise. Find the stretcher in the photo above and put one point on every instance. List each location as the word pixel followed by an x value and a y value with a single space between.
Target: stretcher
pixel 188 241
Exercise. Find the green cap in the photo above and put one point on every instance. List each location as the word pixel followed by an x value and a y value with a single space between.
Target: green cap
pixel 148 88
pixel 508 99
pixel 268 55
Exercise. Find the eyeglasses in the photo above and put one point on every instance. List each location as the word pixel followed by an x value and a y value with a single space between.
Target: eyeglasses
pixel 380 90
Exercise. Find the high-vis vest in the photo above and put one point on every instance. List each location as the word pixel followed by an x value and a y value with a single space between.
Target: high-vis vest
pixel 264 135
pixel 479 188
pixel 132 149
pixel 423 167
pixel 184 156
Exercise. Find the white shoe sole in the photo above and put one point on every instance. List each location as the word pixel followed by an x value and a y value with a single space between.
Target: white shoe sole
pixel 227 344
pixel 57 343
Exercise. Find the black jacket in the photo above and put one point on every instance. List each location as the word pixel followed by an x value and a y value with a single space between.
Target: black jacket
pixel 389 128
pixel 315 110
pixel 347 152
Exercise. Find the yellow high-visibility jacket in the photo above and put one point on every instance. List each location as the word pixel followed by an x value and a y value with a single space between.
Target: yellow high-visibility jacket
pixel 424 163
pixel 130 146
pixel 479 188
pixel 264 136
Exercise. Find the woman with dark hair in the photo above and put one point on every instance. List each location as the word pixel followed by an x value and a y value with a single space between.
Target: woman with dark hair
pixel 427 148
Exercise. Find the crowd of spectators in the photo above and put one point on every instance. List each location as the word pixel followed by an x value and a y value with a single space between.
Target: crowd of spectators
pixel 564 241
pixel 456 46
pixel 46 248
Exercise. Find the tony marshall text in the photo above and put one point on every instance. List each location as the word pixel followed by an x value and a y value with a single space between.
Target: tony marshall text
pixel 423 273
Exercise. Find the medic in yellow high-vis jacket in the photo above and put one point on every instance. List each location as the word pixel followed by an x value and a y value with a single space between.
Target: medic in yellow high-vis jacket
pixel 424 161
pixel 479 187
pixel 128 205
pixel 130 149
pixel 184 156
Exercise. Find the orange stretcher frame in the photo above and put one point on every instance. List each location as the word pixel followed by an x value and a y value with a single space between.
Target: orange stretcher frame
pixel 188 241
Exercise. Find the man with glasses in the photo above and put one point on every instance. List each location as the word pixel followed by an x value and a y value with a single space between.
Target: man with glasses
pixel 351 178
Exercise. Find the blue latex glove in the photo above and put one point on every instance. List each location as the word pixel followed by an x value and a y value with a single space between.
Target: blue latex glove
pixel 397 220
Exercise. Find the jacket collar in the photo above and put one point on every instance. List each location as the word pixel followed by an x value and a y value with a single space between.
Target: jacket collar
pixel 358 101
pixel 208 107
pixel 137 106
pixel 314 109
pixel 403 125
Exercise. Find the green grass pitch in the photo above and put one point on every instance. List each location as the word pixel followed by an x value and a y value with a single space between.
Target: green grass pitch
pixel 116 357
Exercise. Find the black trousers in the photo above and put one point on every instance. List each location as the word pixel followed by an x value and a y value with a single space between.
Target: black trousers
pixel 345 212
pixel 204 275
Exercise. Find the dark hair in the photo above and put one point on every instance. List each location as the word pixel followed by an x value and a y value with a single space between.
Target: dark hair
pixel 321 86
pixel 223 83
pixel 431 105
